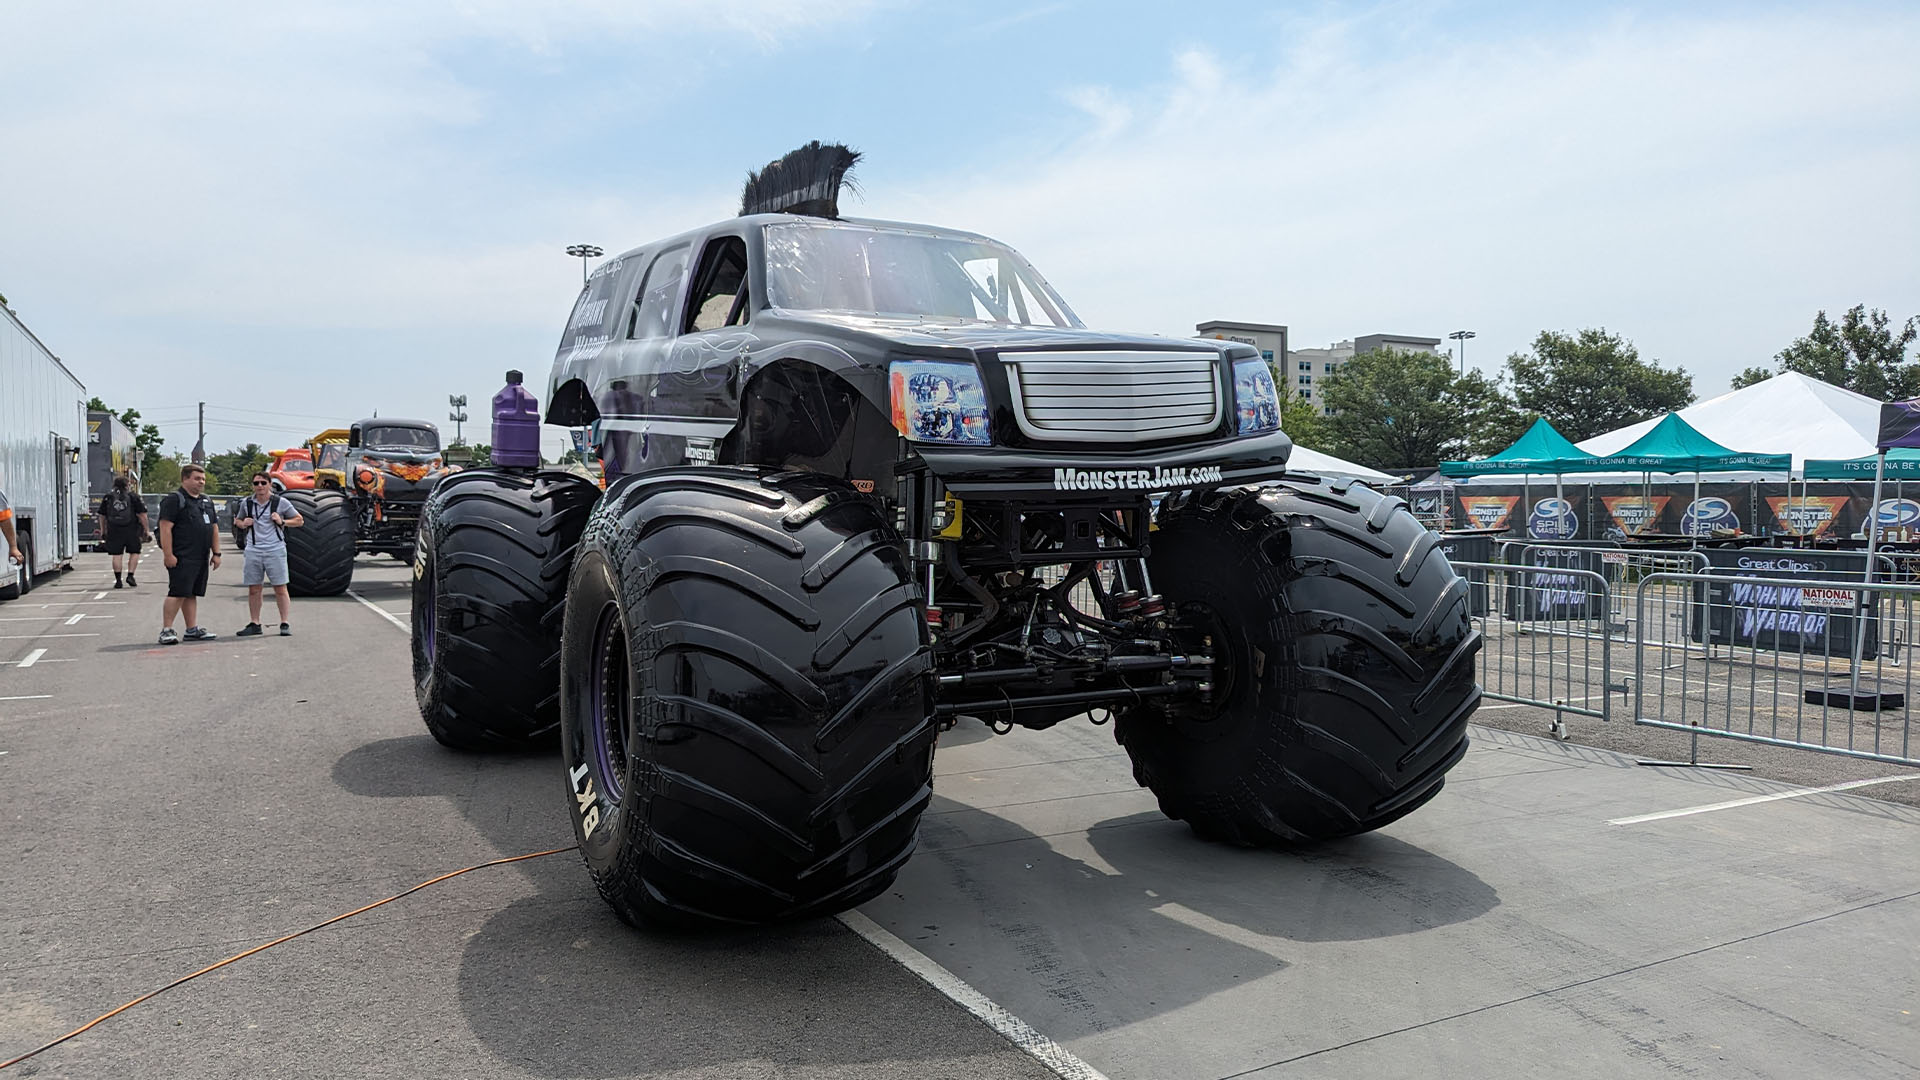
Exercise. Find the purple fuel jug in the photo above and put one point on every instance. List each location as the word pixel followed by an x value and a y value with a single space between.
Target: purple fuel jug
pixel 516 426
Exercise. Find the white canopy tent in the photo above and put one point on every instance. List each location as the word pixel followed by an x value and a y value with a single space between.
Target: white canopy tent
pixel 1313 461
pixel 1787 414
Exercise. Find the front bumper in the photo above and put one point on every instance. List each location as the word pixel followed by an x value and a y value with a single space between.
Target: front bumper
pixel 1010 474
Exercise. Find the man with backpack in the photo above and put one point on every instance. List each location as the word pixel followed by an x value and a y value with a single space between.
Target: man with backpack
pixel 262 522
pixel 125 516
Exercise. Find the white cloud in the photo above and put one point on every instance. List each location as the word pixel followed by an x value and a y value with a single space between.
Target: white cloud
pixel 344 189
pixel 1702 186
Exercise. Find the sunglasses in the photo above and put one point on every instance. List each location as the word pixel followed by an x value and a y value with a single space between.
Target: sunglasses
pixel 263 483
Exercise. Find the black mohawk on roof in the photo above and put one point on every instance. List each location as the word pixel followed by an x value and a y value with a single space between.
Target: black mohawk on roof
pixel 805 181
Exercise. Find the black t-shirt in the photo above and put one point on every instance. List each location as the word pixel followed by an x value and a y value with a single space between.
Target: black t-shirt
pixel 193 523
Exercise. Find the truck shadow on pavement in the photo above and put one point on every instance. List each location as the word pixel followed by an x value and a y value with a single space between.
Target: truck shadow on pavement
pixel 556 985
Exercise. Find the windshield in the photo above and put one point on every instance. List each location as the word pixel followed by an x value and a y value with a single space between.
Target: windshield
pixel 400 438
pixel 900 272
pixel 333 456
pixel 296 465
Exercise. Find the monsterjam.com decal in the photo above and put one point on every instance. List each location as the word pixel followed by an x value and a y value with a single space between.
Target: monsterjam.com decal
pixel 1158 478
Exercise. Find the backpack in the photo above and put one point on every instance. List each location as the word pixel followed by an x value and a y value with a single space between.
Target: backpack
pixel 118 508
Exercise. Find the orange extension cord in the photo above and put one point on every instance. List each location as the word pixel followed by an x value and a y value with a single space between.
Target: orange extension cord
pixel 262 948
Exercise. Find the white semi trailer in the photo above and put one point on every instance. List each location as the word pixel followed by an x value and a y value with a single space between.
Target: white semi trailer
pixel 43 433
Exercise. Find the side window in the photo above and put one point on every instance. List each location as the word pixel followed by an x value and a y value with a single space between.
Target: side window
pixel 653 305
pixel 719 287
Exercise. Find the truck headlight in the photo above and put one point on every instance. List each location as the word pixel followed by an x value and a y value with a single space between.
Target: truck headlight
pixel 1255 399
pixel 939 401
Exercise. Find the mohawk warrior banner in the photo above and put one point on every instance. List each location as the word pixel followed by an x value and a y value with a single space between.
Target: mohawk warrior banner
pixel 1635 514
pixel 1488 511
pixel 1809 516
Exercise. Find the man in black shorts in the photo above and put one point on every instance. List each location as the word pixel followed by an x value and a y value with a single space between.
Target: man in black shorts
pixel 190 543
pixel 124 518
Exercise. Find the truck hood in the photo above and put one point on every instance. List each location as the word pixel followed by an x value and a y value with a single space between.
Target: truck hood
pixel 990 337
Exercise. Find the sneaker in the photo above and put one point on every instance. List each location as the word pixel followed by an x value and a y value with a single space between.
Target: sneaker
pixel 285 630
pixel 118 584
pixel 130 582
pixel 252 629
pixel 168 637
pixel 199 633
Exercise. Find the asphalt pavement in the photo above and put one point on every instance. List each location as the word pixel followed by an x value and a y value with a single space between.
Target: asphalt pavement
pixel 1556 911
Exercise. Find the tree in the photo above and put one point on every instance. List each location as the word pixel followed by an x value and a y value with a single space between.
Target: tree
pixel 163 475
pixel 1863 353
pixel 146 437
pixel 1593 382
pixel 230 473
pixel 1396 409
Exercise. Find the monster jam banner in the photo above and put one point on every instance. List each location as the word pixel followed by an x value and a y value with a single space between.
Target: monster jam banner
pixel 1900 424
pixel 1555 517
pixel 1487 511
pixel 1556 593
pixel 1821 616
pixel 1472 549
pixel 1632 512
pixel 1810 516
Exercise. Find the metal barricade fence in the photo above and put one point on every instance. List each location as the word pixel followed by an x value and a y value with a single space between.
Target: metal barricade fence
pixel 1543 638
pixel 1622 567
pixel 1799 662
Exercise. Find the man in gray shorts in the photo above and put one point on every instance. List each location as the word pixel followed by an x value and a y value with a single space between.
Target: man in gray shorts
pixel 264 519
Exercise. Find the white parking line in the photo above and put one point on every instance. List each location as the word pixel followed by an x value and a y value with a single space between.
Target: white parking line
pixel 77 616
pixel 33 657
pixel 1012 1028
pixel 26 697
pixel 99 596
pixel 1775 797
pixel 382 612
pixel 32 637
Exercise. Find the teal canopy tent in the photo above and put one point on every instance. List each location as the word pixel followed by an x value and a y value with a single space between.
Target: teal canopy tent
pixel 1675 446
pixel 1902 463
pixel 1541 450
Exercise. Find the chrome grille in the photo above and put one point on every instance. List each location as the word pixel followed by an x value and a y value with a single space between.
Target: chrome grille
pixel 1114 396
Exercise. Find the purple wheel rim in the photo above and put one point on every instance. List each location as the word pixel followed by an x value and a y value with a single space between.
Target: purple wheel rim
pixel 610 703
pixel 430 621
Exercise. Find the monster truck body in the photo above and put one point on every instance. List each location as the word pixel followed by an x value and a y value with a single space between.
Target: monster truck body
pixel 866 479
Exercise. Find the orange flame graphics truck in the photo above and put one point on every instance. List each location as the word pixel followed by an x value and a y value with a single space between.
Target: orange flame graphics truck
pixel 369 482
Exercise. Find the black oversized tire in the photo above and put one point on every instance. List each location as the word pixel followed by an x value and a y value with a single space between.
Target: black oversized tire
pixel 746 698
pixel 320 552
pixel 1344 664
pixel 489 580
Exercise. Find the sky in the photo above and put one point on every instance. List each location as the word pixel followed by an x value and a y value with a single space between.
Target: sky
pixel 305 214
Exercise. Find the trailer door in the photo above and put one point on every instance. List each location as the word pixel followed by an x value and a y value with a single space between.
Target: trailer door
pixel 65 540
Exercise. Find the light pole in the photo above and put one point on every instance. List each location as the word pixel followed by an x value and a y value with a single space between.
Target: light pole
pixel 583 252
pixel 1461 336
pixel 459 413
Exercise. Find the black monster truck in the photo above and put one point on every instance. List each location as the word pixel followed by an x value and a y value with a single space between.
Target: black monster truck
pixel 370 501
pixel 867 478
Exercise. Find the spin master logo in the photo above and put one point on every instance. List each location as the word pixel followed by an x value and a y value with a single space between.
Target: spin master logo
pixel 1553 519
pixel 1158 478
pixel 1707 514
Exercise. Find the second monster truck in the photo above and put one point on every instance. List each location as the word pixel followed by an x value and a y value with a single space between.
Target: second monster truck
pixel 866 478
